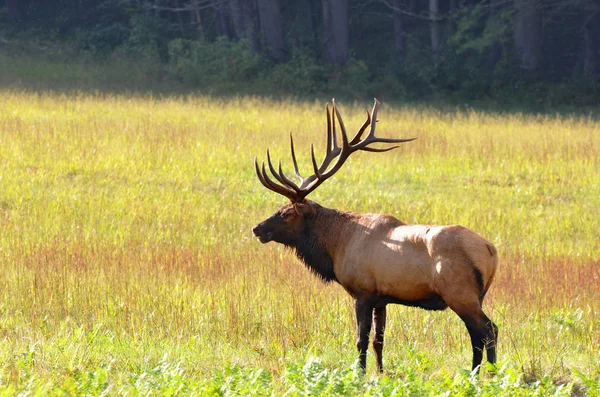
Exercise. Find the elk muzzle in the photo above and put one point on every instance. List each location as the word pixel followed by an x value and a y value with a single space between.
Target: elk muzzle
pixel 263 236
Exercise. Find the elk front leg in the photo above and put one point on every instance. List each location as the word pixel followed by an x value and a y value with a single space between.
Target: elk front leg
pixel 364 310
pixel 379 320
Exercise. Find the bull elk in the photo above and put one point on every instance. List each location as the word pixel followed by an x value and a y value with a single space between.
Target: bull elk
pixel 378 259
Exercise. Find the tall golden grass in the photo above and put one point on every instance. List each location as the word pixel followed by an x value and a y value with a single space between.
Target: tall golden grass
pixel 125 235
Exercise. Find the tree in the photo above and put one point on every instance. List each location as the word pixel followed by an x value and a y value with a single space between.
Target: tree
pixel 434 17
pixel 197 18
pixel 494 52
pixel 13 9
pixel 244 23
pixel 399 43
pixel 222 17
pixel 591 42
pixel 335 24
pixel 313 22
pixel 269 12
pixel 528 33
pixel 453 7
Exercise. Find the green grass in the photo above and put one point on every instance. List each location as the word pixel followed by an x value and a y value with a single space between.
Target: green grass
pixel 128 266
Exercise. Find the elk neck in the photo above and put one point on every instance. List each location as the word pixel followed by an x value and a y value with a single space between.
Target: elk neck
pixel 322 236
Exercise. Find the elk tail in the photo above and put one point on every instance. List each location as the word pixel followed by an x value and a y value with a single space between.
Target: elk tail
pixel 494 254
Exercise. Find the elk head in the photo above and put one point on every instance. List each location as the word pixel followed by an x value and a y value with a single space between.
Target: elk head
pixel 287 224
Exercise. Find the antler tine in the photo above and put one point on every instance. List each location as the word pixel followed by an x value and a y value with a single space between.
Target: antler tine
pixel 371 138
pixel 280 176
pixel 371 135
pixel 294 160
pixel 358 135
pixel 260 177
pixel 380 150
pixel 314 162
pixel 275 174
pixel 269 184
pixel 342 129
pixel 287 181
pixel 373 119
pixel 329 139
pixel 332 147
pixel 273 185
pixel 333 134
pixel 332 150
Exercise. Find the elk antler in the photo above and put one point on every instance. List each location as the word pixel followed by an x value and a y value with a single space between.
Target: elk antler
pixel 295 193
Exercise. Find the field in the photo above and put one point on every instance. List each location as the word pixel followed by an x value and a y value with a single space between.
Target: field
pixel 127 266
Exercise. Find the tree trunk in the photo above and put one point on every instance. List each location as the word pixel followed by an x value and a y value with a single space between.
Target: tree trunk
pixel 528 33
pixel 237 21
pixel 591 45
pixel 412 6
pixel 13 10
pixel 179 17
pixel 269 13
pixel 222 25
pixel 399 42
pixel 244 24
pixel 434 17
pixel 314 23
pixel 199 22
pixel 157 5
pixel 453 8
pixel 250 16
pixel 494 53
pixel 335 21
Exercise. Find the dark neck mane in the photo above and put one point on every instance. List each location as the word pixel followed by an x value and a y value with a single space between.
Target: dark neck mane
pixel 312 251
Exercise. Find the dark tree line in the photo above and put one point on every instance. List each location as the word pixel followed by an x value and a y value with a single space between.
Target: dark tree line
pixel 445 42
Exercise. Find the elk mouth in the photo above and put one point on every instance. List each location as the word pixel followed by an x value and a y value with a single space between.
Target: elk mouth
pixel 262 237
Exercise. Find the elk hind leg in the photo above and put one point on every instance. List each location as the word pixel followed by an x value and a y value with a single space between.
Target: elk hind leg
pixel 483 333
pixel 482 330
pixel 379 318
pixel 491 340
pixel 463 290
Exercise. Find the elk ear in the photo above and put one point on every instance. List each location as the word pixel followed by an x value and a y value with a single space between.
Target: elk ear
pixel 304 209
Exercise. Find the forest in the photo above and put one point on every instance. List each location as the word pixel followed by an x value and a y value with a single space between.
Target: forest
pixel 530 51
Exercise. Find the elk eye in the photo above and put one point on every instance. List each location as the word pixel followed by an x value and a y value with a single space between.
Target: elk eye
pixel 286 215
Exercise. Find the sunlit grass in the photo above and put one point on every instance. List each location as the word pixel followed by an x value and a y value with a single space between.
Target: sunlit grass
pixel 126 253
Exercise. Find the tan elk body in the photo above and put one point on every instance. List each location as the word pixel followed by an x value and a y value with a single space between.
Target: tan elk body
pixel 378 254
pixel 378 259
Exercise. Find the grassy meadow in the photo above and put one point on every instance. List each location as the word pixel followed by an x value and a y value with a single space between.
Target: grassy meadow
pixel 127 266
